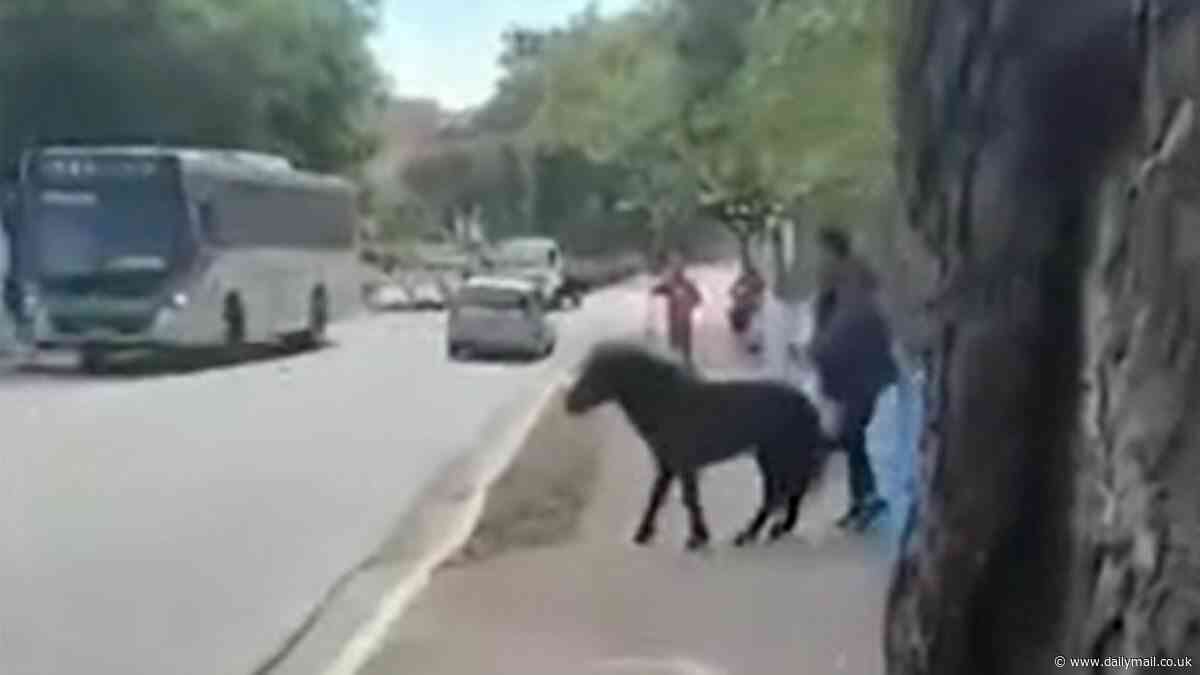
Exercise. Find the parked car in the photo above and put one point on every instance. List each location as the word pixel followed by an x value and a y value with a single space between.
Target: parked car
pixel 449 281
pixel 499 316
pixel 427 290
pixel 387 296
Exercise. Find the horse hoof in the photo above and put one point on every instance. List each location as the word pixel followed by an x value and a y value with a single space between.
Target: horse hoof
pixel 643 537
pixel 743 540
pixel 696 543
pixel 777 532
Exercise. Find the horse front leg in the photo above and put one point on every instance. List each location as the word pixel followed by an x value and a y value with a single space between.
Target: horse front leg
pixel 691 499
pixel 658 492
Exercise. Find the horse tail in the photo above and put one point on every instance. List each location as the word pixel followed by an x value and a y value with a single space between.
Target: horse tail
pixel 820 444
pixel 818 466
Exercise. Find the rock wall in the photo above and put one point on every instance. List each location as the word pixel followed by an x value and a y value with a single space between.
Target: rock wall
pixel 1137 518
pixel 1048 164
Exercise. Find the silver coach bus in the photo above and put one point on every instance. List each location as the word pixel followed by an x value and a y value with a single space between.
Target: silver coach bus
pixel 147 247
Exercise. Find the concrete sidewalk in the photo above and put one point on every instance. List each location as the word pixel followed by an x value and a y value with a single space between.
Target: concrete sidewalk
pixel 596 603
pixel 592 602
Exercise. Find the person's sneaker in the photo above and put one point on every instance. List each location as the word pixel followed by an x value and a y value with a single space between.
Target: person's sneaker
pixel 869 513
pixel 851 517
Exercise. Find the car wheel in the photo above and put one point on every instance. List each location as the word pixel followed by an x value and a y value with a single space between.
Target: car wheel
pixel 455 351
pixel 234 315
pixel 318 319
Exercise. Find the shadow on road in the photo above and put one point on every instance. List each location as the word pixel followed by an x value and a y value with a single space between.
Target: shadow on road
pixel 501 359
pixel 165 363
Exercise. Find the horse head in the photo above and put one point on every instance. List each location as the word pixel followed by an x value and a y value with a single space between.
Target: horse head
pixel 606 374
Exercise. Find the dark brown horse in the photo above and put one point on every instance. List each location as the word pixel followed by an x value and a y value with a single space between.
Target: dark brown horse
pixel 689 423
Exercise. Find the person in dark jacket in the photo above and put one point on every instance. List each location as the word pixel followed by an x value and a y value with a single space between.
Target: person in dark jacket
pixel 852 352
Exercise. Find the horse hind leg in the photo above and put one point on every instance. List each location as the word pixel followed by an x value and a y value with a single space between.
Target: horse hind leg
pixel 770 502
pixel 750 534
pixel 788 522
pixel 797 487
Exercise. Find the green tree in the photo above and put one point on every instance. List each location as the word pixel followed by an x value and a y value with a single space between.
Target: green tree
pixel 278 75
pixel 576 202
pixel 610 93
pixel 731 101
pixel 487 174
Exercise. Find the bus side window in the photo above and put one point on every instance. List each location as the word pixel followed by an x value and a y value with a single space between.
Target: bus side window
pixel 208 225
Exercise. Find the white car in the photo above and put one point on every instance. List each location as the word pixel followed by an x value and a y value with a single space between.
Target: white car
pixel 386 297
pixel 426 290
pixel 498 316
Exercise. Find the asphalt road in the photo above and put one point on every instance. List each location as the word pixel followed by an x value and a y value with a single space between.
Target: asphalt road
pixel 186 522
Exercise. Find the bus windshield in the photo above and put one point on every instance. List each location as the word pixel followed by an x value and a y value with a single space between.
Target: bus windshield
pixel 119 240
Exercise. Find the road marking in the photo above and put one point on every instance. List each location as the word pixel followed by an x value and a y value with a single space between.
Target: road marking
pixel 355 654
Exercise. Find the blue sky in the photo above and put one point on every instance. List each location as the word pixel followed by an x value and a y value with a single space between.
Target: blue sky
pixel 446 49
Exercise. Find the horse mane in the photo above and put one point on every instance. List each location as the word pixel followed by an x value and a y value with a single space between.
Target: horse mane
pixel 629 354
pixel 636 364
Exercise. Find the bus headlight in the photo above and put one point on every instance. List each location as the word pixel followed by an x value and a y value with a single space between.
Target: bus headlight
pixel 30 302
pixel 179 300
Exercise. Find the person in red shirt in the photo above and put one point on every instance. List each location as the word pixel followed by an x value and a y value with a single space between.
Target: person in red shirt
pixel 682 299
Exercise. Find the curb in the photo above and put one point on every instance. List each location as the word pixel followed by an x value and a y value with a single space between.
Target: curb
pixel 350 623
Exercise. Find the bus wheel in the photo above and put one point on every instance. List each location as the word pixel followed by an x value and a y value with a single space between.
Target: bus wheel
pixel 235 320
pixel 318 317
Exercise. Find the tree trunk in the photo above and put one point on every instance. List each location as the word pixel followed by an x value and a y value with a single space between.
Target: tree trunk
pixel 745 257
pixel 778 257
pixel 1059 511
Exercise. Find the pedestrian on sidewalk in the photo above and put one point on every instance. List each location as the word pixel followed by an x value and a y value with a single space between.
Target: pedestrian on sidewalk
pixel 683 297
pixel 893 439
pixel 851 349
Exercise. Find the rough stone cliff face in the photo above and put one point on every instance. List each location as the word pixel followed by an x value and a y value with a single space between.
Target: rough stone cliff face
pixel 1050 166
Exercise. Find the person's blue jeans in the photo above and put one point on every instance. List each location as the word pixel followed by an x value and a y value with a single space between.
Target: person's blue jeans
pixel 892 442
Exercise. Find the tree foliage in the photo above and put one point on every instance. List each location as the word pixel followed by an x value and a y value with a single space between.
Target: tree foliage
pixel 690 105
pixel 729 100
pixel 519 183
pixel 488 174
pixel 280 75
